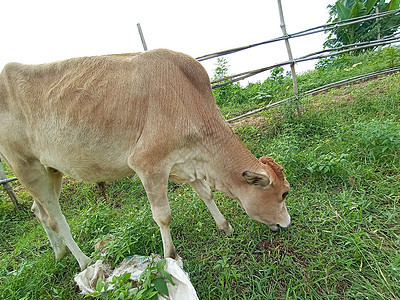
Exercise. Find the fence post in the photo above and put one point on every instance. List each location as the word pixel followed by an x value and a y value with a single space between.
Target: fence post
pixel 289 51
pixel 8 188
pixel 142 36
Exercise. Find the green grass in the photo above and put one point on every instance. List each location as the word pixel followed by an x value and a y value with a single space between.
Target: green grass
pixel 234 99
pixel 342 158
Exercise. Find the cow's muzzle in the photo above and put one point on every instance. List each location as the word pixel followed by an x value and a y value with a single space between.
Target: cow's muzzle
pixel 276 228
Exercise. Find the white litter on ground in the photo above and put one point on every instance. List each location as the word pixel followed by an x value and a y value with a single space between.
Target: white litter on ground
pixel 182 290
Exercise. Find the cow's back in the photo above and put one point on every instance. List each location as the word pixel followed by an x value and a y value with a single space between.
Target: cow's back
pixel 84 116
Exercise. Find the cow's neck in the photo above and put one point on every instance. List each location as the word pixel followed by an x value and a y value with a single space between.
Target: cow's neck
pixel 228 160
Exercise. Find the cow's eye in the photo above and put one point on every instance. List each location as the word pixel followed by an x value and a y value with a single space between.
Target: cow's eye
pixel 284 195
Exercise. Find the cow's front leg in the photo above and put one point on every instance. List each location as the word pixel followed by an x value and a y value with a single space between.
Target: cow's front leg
pixel 162 216
pixel 204 191
pixel 156 187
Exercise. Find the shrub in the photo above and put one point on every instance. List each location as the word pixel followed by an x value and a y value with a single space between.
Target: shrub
pixel 378 141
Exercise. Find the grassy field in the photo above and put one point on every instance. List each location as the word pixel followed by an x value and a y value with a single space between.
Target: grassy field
pixel 342 158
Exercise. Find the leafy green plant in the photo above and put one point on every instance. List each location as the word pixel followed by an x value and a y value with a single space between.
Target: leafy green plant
pixel 140 235
pixel 227 271
pixel 392 55
pixel 150 284
pixel 363 31
pixel 328 163
pixel 378 140
pixel 121 288
pixel 222 68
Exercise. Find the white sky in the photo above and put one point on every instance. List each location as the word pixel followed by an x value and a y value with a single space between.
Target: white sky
pixel 48 30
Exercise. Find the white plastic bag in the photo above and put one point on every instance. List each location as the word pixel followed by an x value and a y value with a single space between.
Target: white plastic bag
pixel 182 290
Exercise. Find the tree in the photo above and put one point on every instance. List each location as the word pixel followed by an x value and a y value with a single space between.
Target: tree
pixel 363 31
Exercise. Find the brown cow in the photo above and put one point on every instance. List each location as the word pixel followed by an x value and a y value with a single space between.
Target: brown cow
pixel 107 117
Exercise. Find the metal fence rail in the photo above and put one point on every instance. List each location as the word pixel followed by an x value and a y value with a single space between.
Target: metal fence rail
pixel 394 38
pixel 7 180
pixel 319 90
pixel 321 28
pixel 4 181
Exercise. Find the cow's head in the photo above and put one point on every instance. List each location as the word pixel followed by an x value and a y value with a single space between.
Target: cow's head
pixel 265 195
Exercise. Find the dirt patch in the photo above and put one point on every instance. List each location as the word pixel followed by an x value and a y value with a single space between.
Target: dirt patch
pixel 268 245
pixel 255 121
pixel 278 248
pixel 275 246
pixel 343 95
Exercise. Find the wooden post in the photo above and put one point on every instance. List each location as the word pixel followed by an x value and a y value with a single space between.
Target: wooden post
pixel 142 36
pixel 8 188
pixel 289 51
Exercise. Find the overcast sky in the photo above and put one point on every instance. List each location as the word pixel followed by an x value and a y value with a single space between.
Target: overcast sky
pixel 49 30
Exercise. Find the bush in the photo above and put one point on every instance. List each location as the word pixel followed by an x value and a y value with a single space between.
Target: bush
pixel 378 141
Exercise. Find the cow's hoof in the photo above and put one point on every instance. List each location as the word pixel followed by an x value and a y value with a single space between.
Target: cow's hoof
pixel 227 228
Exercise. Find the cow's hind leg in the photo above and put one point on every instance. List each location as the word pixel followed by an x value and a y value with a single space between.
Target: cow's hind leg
pixel 205 193
pixel 44 185
pixel 58 245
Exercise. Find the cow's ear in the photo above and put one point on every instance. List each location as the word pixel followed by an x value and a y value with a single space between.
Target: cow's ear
pixel 256 179
pixel 265 160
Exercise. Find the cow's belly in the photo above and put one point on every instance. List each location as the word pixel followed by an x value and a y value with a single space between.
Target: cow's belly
pixel 86 153
pixel 92 165
pixel 90 170
pixel 98 173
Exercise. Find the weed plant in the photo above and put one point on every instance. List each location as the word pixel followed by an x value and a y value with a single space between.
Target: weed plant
pixel 341 157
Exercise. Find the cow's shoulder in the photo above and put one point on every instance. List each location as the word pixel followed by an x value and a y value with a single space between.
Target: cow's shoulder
pixel 187 65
